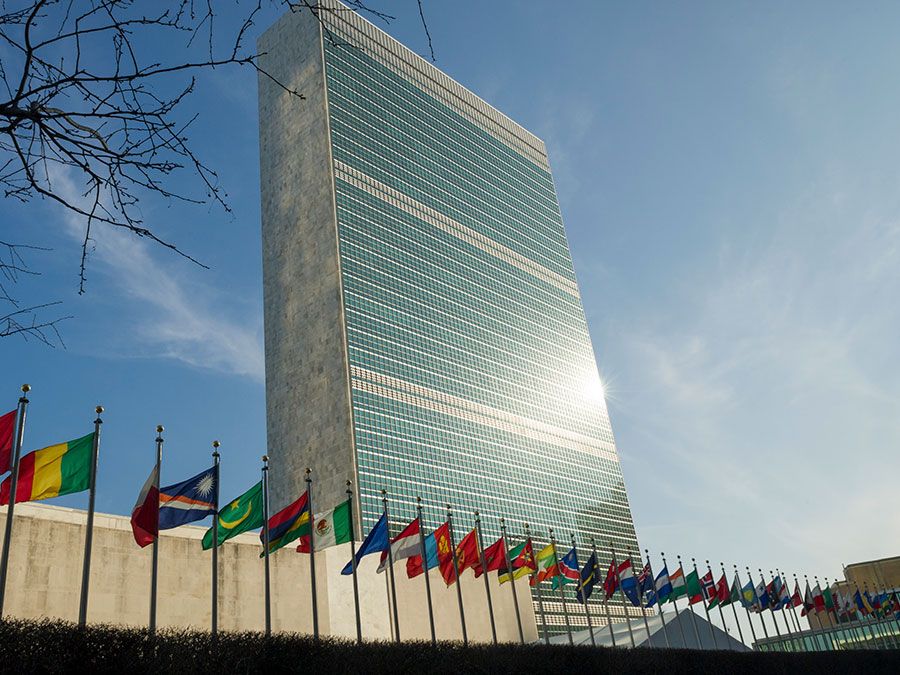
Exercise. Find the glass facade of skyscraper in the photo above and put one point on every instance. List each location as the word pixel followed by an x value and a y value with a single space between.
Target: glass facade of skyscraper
pixel 473 379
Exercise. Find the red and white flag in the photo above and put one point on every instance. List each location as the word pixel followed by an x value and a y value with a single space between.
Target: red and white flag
pixel 405 545
pixel 145 514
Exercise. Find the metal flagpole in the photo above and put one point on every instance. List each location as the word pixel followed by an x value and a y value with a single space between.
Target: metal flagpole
pixel 89 533
pixel 562 592
pixel 387 522
pixel 757 603
pixel 690 607
pixel 425 568
pixel 487 587
pixel 815 637
pixel 873 620
pixel 13 486
pixel 215 546
pixel 584 600
pixel 154 559
pixel 265 529
pixel 612 635
pixel 512 581
pixel 353 561
pixel 462 613
pixel 731 602
pixel 746 609
pixel 537 587
pixel 640 592
pixel 719 603
pixel 622 591
pixel 712 631
pixel 794 614
pixel 312 554
pixel 762 580
pixel 675 604
pixel 658 602
pixel 864 623
pixel 783 613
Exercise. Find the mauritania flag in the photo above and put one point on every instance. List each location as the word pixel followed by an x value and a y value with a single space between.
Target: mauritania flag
pixel 329 528
pixel 60 469
pixel 239 515
pixel 188 501
pixel 288 524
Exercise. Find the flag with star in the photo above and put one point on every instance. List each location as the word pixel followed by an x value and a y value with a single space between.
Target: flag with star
pixel 240 515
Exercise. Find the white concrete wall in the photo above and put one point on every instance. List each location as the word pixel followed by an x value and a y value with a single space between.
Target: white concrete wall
pixel 45 581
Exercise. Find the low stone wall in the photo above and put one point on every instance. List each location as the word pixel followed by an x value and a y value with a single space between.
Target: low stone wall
pixel 45 581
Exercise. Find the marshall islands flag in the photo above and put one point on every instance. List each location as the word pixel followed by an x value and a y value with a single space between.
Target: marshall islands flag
pixel 188 501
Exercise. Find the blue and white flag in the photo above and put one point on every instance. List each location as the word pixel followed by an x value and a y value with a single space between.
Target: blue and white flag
pixel 663 585
pixel 188 501
pixel 376 541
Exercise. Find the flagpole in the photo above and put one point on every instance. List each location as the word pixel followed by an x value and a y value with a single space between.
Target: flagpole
pixel 462 613
pixel 762 580
pixel 712 632
pixel 562 593
pixel 512 581
pixel 425 569
pixel 387 522
pixel 612 635
pixel 873 620
pixel 641 596
pixel 794 613
pixel 658 602
pixel 859 632
pixel 690 607
pixel 312 554
pixel 746 609
pixel 758 603
pixel 215 547
pixel 719 602
pixel 733 609
pixel 587 612
pixel 533 584
pixel 622 591
pixel 89 532
pixel 487 587
pixel 675 602
pixel 154 558
pixel 13 486
pixel 783 615
pixel 352 561
pixel 865 622
pixel 265 529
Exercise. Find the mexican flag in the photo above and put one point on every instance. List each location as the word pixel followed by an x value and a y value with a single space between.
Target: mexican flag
pixel 330 528
pixel 60 469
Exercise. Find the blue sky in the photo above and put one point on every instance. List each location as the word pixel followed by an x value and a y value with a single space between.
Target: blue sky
pixel 727 174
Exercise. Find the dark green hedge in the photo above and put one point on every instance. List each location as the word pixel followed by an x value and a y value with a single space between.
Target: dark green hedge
pixel 54 646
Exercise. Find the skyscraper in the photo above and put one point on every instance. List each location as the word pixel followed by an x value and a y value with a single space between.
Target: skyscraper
pixel 424 331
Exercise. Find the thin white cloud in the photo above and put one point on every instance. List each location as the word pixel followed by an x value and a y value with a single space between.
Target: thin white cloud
pixel 175 319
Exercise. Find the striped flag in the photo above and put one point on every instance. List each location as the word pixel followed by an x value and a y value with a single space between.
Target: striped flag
pixel 61 469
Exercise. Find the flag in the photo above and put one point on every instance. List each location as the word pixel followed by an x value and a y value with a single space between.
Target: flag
pixel 748 597
pixel 467 552
pixel 189 500
pixel 329 528
pixel 145 514
pixel 828 599
pixel 568 569
pixel 629 583
pixel 611 583
pixel 239 515
pixel 861 603
pixel 762 596
pixel 772 594
pixel 663 585
pixel 721 594
pixel 646 586
pixel 494 557
pixel 61 469
pixel 708 587
pixel 547 565
pixel 444 553
pixel 678 587
pixel 7 429
pixel 288 524
pixel 405 545
pixel 784 596
pixel 692 585
pixel 808 604
pixel 587 579
pixel 377 540
pixel 818 599
pixel 414 562
pixel 796 598
pixel 734 595
pixel 522 560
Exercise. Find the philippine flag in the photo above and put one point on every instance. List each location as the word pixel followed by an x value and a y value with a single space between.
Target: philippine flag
pixel 145 514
